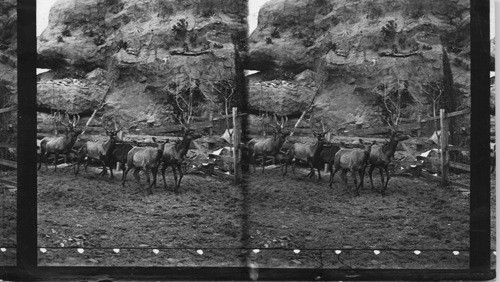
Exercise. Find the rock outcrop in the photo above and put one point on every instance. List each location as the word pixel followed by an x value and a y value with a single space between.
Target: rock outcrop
pixel 360 49
pixel 148 49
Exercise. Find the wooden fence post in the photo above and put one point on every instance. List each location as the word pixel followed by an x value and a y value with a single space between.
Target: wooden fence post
pixel 444 148
pixel 211 118
pixel 419 131
pixel 236 143
pixel 328 136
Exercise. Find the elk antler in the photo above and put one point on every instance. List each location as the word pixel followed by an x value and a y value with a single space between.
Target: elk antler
pixel 325 129
pixel 283 122
pixel 311 125
pixel 116 126
pixel 75 121
pixel 56 117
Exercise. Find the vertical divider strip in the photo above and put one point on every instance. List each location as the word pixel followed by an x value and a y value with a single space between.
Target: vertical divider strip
pixel 26 144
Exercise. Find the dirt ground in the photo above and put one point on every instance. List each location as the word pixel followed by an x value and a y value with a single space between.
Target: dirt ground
pixel 293 222
pixel 8 221
pixel 304 213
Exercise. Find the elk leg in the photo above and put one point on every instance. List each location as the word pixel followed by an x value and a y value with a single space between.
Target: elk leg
pixel 381 176
pixel 154 171
pixel 311 171
pixel 175 179
pixel 41 158
pixel 319 174
pixel 356 187
pixel 77 165
pixel 330 170
pixel 125 175
pixel 148 179
pixel 252 160
pixel 86 165
pixel 163 168
pixel 361 178
pixel 284 164
pixel 104 169
pixel 46 160
pixel 137 177
pixel 372 167
pixel 180 176
pixel 388 177
pixel 55 161
pixel 111 171
pixel 332 175
pixel 343 177
pixel 122 167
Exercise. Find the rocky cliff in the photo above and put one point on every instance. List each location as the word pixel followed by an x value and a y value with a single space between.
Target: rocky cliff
pixel 362 51
pixel 142 58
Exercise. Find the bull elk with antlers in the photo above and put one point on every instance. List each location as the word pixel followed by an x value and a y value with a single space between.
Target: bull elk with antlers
pixel 268 146
pixel 99 150
pixel 62 144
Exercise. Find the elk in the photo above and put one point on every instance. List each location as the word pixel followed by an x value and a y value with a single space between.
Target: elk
pixel 147 158
pixel 268 146
pixel 327 156
pixel 311 153
pixel 119 155
pixel 353 160
pixel 62 144
pixel 99 150
pixel 381 156
pixel 174 153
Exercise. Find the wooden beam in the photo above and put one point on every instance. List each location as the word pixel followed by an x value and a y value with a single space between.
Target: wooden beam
pixel 8 182
pixel 9 109
pixel 437 161
pixel 457 148
pixel 6 145
pixel 228 116
pixel 8 163
pixel 464 167
pixel 384 129
pixel 454 114
pixel 428 176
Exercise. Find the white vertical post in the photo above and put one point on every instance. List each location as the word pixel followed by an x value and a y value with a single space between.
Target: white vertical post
pixel 236 142
pixel 444 148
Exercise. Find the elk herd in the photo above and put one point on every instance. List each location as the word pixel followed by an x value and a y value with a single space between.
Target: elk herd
pixel 115 151
pixel 353 158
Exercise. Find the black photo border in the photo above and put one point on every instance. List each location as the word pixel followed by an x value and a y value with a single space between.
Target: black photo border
pixel 27 268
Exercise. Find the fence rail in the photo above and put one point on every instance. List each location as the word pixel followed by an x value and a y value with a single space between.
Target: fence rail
pixel 8 163
pixel 9 109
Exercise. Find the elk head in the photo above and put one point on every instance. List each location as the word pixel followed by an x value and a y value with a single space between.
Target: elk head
pixel 397 135
pixel 319 135
pixel 112 133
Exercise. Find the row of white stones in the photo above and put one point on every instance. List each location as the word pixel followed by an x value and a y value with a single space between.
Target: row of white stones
pixel 256 251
